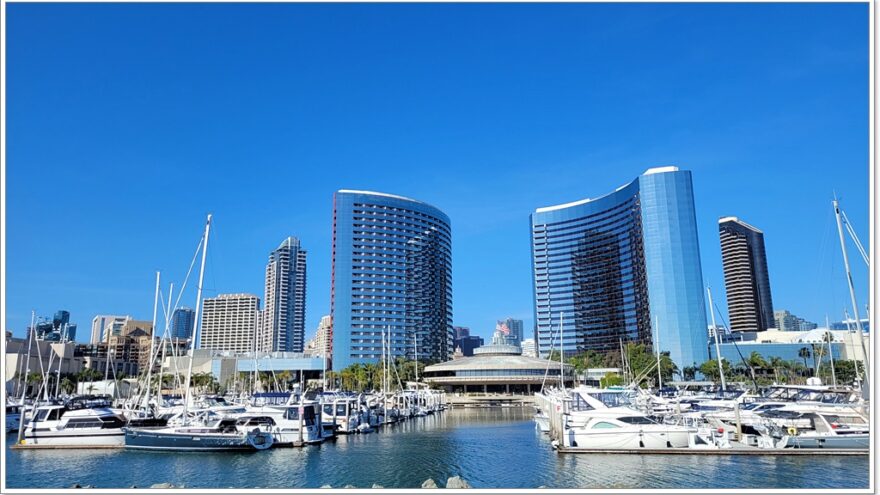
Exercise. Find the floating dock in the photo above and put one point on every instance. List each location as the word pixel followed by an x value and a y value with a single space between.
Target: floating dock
pixel 736 448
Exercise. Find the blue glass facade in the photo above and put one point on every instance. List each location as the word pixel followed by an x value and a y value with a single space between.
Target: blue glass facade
pixel 788 351
pixel 59 329
pixel 182 321
pixel 392 272
pixel 620 267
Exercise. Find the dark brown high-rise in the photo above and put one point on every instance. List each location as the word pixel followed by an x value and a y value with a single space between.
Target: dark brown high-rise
pixel 746 279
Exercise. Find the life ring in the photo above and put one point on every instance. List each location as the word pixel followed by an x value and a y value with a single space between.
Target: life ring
pixel 792 430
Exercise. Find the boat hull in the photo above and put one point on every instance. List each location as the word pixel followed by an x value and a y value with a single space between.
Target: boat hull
pixel 77 438
pixel 628 440
pixel 853 441
pixel 165 439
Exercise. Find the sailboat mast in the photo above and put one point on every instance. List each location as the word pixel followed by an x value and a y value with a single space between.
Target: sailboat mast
pixel 27 369
pixel 561 354
pixel 717 344
pixel 852 291
pixel 830 352
pixel 152 342
pixel 197 323
pixel 657 345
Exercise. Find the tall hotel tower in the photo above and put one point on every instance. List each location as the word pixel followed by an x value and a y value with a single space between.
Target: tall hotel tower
pixel 746 279
pixel 624 266
pixel 284 317
pixel 392 272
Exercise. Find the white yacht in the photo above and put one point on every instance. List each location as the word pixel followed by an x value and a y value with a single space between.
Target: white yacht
pixel 341 412
pixel 605 419
pixel 79 422
pixel 826 430
pixel 281 417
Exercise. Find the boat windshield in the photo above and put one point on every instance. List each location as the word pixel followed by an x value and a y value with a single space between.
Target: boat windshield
pixel 637 420
pixel 612 399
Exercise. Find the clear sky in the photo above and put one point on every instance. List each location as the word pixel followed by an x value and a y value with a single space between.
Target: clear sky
pixel 128 123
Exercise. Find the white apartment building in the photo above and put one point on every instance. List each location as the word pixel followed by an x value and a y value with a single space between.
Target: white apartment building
pixel 230 322
pixel 324 338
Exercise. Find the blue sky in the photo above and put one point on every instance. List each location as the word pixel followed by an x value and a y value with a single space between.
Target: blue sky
pixel 128 123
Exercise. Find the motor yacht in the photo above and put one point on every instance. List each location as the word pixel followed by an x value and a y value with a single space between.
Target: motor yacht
pixel 605 419
pixel 84 421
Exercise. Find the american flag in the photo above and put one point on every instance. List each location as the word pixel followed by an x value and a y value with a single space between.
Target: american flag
pixel 502 327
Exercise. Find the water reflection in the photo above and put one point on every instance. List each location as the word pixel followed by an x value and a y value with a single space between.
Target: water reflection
pixel 491 448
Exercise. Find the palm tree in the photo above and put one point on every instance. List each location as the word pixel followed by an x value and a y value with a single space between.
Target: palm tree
pixel 777 363
pixel 804 352
pixel 818 354
pixel 284 379
pixel 67 385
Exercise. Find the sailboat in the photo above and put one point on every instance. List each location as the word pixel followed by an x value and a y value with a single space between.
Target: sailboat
pixel 212 432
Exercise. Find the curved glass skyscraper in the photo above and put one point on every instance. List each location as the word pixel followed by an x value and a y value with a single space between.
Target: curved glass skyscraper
pixel 625 266
pixel 392 272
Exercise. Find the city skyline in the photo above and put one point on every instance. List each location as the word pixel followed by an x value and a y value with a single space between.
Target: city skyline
pixel 587 146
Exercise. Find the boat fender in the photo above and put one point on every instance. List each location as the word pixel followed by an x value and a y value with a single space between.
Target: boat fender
pixel 792 431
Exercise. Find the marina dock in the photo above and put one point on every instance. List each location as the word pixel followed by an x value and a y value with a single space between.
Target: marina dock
pixel 736 448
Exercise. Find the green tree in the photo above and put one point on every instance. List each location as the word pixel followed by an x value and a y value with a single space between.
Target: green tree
pixel 610 380
pixel 804 353
pixel 777 364
pixel 709 369
pixel 641 359
pixel 67 385
pixel 846 371
pixel 284 378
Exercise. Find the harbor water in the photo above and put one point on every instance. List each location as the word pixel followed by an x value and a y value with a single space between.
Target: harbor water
pixel 490 448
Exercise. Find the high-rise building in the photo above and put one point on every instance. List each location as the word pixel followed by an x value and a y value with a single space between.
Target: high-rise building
pixel 182 321
pixel 229 322
pixel 624 266
pixel 514 330
pixel 787 322
pixel 459 332
pixel 528 348
pixel 103 326
pixel 850 324
pixel 58 329
pixel 284 314
pixel 746 280
pixel 467 344
pixel 323 340
pixel 392 273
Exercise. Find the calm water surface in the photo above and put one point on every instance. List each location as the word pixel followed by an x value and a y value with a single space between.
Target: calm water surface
pixel 490 448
